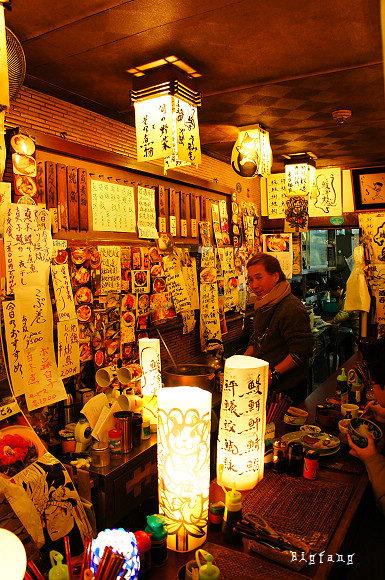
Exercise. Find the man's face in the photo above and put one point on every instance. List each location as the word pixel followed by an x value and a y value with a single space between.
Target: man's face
pixel 379 394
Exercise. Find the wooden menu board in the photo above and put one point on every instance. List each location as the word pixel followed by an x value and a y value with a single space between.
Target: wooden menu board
pixel 61 180
pixel 73 198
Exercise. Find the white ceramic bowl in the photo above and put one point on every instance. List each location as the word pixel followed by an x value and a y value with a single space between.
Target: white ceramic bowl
pixel 295 416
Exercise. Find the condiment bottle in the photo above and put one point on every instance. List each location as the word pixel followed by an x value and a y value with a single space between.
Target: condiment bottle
pixel 232 515
pixel 156 528
pixel 59 571
pixel 311 464
pixel 294 459
pixel 342 385
pixel 216 510
pixel 144 546
pixel 356 390
pixel 146 433
pixel 115 441
pixel 207 571
pixel 279 455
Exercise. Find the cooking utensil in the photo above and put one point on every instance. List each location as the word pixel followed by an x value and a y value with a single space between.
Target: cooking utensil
pixel 165 346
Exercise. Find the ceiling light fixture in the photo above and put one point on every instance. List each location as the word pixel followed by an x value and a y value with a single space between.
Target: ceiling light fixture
pixel 341 116
pixel 166 116
pixel 251 154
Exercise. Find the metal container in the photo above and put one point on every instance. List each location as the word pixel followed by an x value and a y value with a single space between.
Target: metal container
pixel 123 421
pixel 192 375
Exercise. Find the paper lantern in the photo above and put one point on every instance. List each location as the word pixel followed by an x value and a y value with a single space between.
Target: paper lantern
pixel 299 186
pixel 251 154
pixel 13 559
pixel 166 116
pixel 184 422
pixel 122 542
pixel 149 357
pixel 241 435
pixel 300 174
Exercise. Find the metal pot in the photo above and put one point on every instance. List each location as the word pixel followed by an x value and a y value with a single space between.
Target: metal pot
pixel 192 375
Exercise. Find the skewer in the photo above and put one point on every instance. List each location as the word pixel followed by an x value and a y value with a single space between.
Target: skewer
pixel 68 557
pixel 36 570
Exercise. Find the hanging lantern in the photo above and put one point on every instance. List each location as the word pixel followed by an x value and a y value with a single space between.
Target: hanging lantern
pixel 241 435
pixel 184 421
pixel 251 153
pixel 299 185
pixel 166 117
pixel 149 358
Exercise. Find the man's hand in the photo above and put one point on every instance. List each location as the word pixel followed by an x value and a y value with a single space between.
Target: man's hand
pixel 363 452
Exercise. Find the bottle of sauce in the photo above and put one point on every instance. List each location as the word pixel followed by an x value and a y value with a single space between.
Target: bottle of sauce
pixel 342 386
pixel 232 515
pixel 294 459
pixel 156 528
pixel 311 464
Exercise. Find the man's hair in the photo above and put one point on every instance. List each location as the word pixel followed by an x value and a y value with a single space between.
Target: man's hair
pixel 270 263
pixel 334 283
pixel 373 351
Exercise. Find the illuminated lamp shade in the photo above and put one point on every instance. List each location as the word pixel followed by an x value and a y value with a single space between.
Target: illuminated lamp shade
pixel 184 421
pixel 300 174
pixel 122 542
pixel 13 559
pixel 251 154
pixel 166 117
pixel 241 435
pixel 149 358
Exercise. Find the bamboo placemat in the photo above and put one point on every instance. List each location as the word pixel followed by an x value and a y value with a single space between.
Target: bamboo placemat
pixel 241 566
pixel 307 510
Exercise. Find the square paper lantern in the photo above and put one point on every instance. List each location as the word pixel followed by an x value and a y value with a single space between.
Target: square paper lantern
pixel 241 435
pixel 184 423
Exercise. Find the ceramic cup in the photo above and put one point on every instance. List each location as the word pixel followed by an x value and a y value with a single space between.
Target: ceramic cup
pixel 353 409
pixel 189 567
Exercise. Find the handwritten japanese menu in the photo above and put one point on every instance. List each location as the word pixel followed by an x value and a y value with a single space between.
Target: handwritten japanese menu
pixel 113 207
pixel 68 348
pixel 146 213
pixel 110 269
pixel 176 283
pixel 28 248
pixel 65 305
pixel 275 185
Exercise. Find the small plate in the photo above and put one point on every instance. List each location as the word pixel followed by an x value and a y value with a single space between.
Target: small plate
pixel 297 436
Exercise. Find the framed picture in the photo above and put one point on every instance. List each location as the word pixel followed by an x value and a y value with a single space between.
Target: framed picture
pixel 369 188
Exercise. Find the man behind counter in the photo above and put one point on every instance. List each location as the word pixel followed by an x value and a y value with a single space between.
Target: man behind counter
pixel 281 330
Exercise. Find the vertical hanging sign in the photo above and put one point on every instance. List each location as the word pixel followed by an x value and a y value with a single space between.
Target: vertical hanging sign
pixel 172 212
pixel 193 216
pixel 83 199
pixel 183 220
pixel 62 199
pixel 73 198
pixel 162 221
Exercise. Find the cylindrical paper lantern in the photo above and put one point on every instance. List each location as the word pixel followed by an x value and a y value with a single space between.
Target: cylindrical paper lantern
pixel 241 435
pixel 149 357
pixel 184 422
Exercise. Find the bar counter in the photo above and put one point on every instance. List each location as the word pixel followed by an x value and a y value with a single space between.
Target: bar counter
pixel 355 480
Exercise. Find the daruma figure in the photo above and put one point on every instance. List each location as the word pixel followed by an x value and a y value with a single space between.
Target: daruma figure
pixel 184 422
pixel 241 435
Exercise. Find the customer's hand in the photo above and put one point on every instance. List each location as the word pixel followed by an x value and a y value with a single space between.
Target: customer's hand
pixel 376 411
pixel 363 452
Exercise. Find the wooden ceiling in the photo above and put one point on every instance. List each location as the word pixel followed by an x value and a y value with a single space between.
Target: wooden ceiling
pixel 281 63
